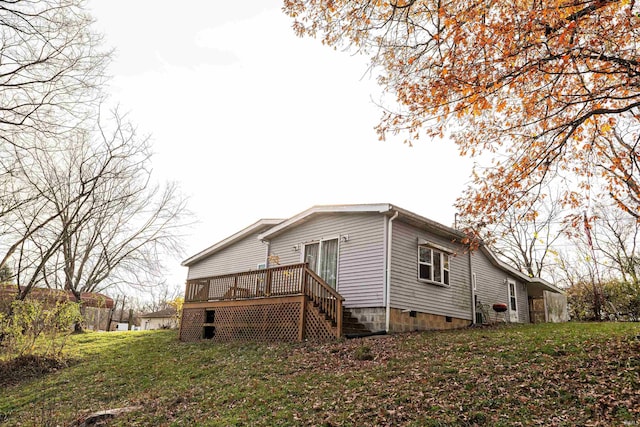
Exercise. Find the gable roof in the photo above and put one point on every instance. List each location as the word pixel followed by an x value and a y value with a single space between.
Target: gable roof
pixel 383 208
pixel 258 226
pixel 303 217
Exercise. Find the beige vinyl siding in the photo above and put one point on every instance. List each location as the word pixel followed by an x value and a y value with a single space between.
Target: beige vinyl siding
pixel 243 255
pixel 493 288
pixel 360 257
pixel 409 293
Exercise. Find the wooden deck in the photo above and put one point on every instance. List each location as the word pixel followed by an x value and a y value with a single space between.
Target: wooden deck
pixel 258 304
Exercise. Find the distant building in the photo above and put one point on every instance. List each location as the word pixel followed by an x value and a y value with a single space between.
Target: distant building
pixel 163 319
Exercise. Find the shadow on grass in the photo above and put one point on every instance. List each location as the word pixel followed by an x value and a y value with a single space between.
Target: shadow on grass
pixel 29 367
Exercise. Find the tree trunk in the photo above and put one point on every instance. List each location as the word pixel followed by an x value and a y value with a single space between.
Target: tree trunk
pixel 78 327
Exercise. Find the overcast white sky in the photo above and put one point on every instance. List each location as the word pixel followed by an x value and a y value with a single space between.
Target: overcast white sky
pixel 254 122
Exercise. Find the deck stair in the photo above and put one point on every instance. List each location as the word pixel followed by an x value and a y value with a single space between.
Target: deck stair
pixel 351 325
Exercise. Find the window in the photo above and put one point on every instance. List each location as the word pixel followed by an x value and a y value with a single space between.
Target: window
pixel 262 266
pixel 474 280
pixel 513 302
pixel 433 265
pixel 512 296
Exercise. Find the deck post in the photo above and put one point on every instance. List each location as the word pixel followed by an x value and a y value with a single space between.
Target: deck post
pixel 303 315
pixel 267 283
pixel 338 317
pixel 235 287
pixel 303 277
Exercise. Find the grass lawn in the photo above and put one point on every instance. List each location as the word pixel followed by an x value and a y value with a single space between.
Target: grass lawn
pixel 551 374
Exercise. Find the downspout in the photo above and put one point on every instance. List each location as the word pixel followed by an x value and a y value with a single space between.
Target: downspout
pixel 388 272
pixel 267 243
pixel 473 291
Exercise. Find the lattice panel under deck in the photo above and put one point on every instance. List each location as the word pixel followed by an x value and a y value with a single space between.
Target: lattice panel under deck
pixel 317 328
pixel 191 326
pixel 268 322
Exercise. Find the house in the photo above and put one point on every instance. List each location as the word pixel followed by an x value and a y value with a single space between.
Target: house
pixel 96 307
pixel 162 319
pixel 368 267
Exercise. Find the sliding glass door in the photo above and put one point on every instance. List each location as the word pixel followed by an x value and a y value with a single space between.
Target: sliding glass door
pixel 322 257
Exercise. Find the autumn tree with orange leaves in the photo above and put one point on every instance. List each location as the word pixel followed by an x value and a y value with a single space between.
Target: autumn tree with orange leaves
pixel 549 88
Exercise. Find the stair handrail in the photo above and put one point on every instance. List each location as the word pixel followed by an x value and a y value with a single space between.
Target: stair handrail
pixel 324 296
pixel 323 284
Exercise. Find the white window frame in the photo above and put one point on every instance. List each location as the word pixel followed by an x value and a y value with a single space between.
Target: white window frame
pixel 474 281
pixel 445 266
pixel 261 266
pixel 513 312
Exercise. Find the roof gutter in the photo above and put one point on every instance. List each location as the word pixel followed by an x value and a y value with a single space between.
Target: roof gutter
pixel 388 272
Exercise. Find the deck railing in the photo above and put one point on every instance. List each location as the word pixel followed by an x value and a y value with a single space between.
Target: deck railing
pixel 293 279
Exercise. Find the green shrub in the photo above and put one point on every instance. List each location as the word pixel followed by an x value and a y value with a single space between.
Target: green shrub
pixel 618 300
pixel 30 320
